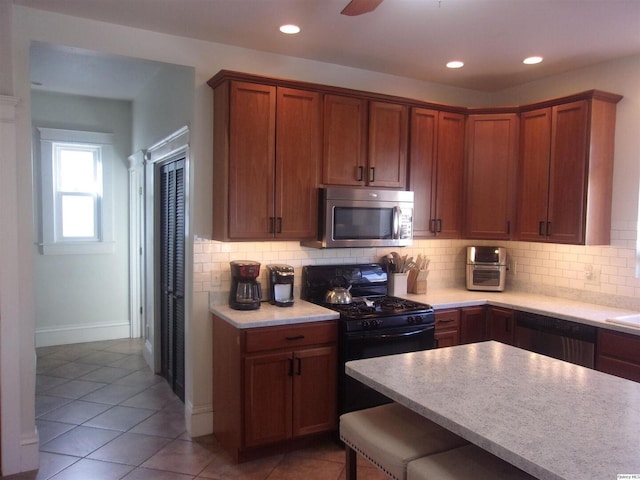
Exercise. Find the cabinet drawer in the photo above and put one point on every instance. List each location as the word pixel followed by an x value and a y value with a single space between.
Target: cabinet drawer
pixel 447 319
pixel 619 345
pixel 290 336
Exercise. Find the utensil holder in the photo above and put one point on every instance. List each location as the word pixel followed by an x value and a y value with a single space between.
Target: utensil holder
pixel 397 284
pixel 417 282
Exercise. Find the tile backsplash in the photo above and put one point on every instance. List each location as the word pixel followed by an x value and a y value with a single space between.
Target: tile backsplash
pixel 603 275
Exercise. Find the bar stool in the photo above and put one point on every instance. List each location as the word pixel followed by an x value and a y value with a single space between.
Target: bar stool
pixel 390 436
pixel 464 463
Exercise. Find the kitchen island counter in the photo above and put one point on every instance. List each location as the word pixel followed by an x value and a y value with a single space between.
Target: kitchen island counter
pixel 550 418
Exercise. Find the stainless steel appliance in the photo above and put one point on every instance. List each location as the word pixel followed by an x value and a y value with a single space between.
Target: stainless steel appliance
pixel 373 324
pixel 363 217
pixel 246 291
pixel 486 268
pixel 557 338
pixel 280 284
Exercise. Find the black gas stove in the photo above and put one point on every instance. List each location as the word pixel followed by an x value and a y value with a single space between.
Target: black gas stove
pixel 371 307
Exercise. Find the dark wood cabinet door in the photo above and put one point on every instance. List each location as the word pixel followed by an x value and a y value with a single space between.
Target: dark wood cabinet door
pixel 315 390
pixel 298 163
pixel 472 325
pixel 492 149
pixel 501 325
pixel 422 168
pixel 568 173
pixel 344 140
pixel 618 353
pixel 268 394
pixel 533 174
pixel 447 220
pixel 447 327
pixel 252 122
pixel 388 137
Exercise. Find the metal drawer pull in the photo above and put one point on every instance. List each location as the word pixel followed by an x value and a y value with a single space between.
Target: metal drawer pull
pixel 296 337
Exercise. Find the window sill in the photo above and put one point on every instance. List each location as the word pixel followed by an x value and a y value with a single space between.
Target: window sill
pixel 78 248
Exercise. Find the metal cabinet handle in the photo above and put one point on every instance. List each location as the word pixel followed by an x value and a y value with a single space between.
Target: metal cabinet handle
pixel 290 373
pixel 299 366
pixel 272 224
pixel 541 229
pixel 446 320
pixel 360 173
pixel 372 174
pixel 295 337
pixel 279 224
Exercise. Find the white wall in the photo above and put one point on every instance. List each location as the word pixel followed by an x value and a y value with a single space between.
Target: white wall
pixel 208 59
pixel 163 106
pixel 92 303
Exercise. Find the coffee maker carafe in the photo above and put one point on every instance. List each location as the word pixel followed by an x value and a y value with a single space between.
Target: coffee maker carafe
pixel 280 285
pixel 246 291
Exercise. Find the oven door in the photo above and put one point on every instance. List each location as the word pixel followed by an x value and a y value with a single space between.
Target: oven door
pixel 353 395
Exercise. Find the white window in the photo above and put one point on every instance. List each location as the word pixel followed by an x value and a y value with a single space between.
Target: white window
pixel 76 186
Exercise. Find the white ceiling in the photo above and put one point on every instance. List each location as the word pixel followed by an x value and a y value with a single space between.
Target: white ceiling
pixel 410 38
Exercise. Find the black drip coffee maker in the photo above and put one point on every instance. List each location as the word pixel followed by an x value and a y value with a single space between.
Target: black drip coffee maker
pixel 246 291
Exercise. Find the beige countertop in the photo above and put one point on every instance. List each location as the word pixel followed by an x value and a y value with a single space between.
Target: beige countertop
pixel 553 419
pixel 302 311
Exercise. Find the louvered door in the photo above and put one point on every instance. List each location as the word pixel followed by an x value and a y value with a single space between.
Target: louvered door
pixel 172 229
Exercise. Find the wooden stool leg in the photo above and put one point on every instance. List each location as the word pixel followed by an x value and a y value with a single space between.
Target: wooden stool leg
pixel 351 463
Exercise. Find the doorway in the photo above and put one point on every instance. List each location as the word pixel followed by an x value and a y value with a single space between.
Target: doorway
pixel 172 242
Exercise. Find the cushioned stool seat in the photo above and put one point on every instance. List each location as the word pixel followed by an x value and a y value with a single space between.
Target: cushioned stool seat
pixel 390 436
pixel 465 463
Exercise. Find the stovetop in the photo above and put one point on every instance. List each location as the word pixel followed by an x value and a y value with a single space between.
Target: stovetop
pixel 372 307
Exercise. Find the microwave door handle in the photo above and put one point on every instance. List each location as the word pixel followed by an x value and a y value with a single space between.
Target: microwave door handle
pixel 396 222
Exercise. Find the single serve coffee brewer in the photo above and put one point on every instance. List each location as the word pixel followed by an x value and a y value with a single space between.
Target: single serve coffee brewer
pixel 246 291
pixel 280 278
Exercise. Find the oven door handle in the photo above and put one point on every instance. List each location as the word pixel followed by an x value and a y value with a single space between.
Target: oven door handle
pixel 410 333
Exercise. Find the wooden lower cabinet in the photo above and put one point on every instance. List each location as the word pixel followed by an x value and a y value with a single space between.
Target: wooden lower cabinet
pixel 618 353
pixel 447 327
pixel 501 324
pixel 473 324
pixel 272 385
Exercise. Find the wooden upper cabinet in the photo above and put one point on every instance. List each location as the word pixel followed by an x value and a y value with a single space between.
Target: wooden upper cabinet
pixel 422 168
pixel 566 171
pixel 267 165
pixel 387 156
pixel 533 172
pixel 345 140
pixel 251 110
pixel 436 172
pixel 447 218
pixel 298 163
pixel 492 154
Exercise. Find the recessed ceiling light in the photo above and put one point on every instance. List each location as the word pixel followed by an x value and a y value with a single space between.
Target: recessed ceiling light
pixel 455 64
pixel 290 29
pixel 532 60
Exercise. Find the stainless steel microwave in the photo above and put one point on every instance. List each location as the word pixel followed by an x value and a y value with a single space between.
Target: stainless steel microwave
pixel 363 217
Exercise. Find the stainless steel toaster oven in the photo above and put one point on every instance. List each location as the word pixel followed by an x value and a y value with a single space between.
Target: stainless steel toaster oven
pixel 486 268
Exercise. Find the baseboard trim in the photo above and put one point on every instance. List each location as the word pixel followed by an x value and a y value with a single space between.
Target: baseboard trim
pixel 66 334
pixel 199 419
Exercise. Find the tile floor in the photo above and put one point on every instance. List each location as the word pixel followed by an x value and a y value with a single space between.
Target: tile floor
pixel 102 415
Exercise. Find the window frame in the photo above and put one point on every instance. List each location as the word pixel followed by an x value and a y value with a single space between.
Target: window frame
pixel 51 241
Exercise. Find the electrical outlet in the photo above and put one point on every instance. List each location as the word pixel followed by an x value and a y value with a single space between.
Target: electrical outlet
pixel 592 275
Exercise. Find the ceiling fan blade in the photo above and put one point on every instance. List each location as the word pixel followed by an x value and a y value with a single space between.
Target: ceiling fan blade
pixel 358 7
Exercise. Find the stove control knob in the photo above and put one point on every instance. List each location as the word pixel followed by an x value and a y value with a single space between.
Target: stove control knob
pixel 419 319
pixel 376 323
pixel 411 320
pixel 365 324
